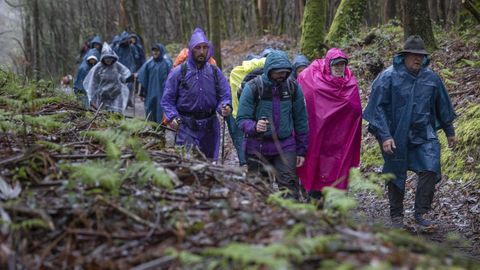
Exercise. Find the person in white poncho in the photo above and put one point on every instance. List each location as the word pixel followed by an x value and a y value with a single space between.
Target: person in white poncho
pixel 106 82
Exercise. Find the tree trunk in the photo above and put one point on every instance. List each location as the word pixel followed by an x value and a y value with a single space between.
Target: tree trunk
pixel 312 28
pixel 443 6
pixel 390 10
pixel 137 26
pixel 123 16
pixel 262 9
pixel 433 7
pixel 301 8
pixel 27 41
pixel 36 40
pixel 416 21
pixel 215 30
pixel 332 8
pixel 347 21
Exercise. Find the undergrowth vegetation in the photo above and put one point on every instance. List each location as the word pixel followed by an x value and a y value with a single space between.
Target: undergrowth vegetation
pixel 462 162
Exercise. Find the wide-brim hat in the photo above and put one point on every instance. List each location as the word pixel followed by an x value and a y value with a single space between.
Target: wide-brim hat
pixel 414 44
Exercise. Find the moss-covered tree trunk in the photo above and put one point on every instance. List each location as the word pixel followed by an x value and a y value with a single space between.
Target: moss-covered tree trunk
pixel 347 21
pixel 313 32
pixel 215 29
pixel 416 21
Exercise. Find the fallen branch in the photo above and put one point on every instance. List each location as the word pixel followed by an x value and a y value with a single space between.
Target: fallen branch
pixel 461 92
pixel 104 234
pixel 82 156
pixel 159 263
pixel 127 213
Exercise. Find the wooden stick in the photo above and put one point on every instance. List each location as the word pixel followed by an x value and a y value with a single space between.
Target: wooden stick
pixel 159 263
pixel 128 213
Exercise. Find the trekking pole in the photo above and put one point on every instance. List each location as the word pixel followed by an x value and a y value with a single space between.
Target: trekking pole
pixel 223 138
pixel 134 93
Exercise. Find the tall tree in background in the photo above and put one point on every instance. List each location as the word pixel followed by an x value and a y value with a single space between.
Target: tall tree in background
pixel 390 9
pixel 313 32
pixel 262 10
pixel 27 41
pixel 215 29
pixel 137 26
pixel 348 20
pixel 123 16
pixel 36 39
pixel 416 21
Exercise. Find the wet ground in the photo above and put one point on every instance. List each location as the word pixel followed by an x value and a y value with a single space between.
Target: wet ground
pixel 455 211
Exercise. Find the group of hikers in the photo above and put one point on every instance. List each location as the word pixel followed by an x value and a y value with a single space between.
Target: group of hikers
pixel 303 119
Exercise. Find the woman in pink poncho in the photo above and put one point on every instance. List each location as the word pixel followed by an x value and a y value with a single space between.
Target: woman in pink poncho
pixel 335 122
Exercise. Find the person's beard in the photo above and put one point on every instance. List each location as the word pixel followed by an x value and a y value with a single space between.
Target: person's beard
pixel 280 80
pixel 199 60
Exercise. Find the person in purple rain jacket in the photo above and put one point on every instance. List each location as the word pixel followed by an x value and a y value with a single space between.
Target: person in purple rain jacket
pixel 194 92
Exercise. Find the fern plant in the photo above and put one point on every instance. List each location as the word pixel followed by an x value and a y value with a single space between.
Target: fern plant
pixel 98 174
pixel 44 123
pixel 338 201
pixel 373 183
pixel 134 125
pixel 244 256
pixel 28 224
pixel 54 147
pixel 113 140
pixel 6 122
pixel 117 140
pixel 276 199
pixel 147 171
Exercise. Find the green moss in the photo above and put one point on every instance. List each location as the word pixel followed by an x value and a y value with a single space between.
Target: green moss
pixel 462 162
pixel 347 21
pixel 371 156
pixel 312 27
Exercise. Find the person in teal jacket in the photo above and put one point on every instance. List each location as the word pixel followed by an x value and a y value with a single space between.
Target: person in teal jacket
pixel 408 104
pixel 273 117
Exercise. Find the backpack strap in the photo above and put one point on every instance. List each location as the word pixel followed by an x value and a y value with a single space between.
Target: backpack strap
pixel 217 81
pixel 183 73
pixel 256 85
pixel 292 87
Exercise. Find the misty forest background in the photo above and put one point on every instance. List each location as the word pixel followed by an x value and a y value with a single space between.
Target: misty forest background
pixel 53 31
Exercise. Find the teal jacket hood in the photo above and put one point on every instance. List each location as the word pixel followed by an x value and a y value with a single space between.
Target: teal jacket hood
pixel 276 60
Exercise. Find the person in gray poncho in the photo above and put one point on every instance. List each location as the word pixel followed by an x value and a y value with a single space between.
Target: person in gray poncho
pixel 106 82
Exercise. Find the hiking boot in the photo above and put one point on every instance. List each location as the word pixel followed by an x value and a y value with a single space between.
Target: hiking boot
pixel 397 222
pixel 419 218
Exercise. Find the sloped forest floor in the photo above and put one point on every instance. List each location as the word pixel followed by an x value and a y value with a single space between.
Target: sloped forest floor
pixel 84 189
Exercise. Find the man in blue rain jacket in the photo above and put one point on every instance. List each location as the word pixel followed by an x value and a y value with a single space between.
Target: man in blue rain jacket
pixel 408 104
pixel 152 76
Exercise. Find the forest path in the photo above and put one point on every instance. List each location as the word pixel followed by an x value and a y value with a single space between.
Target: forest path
pixel 453 209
